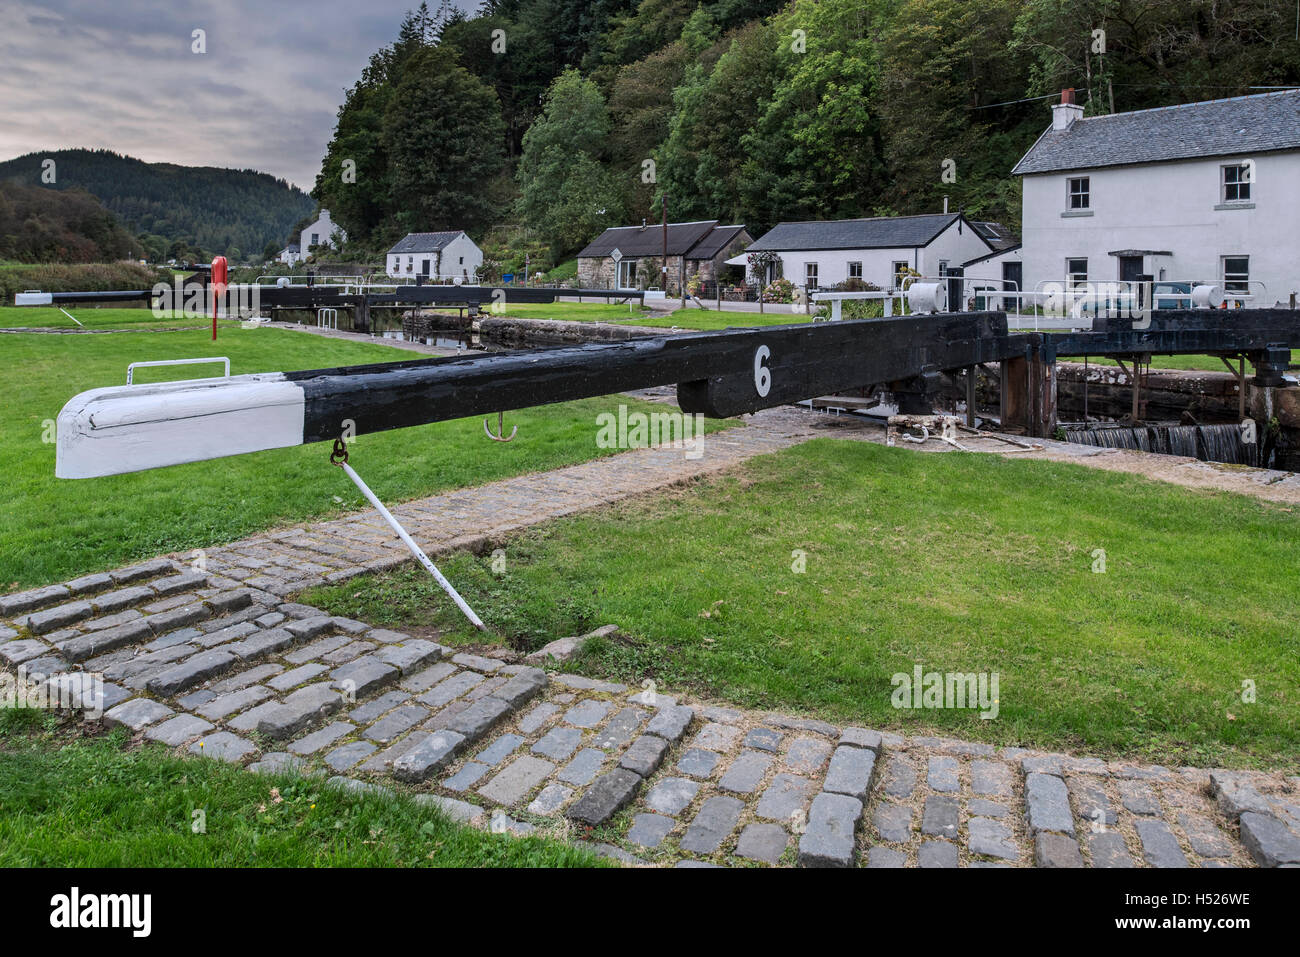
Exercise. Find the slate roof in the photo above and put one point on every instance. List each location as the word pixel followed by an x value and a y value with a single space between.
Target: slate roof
pixel 425 242
pixel 882 232
pixel 996 235
pixel 1232 127
pixel 648 240
pixel 987 256
pixel 715 242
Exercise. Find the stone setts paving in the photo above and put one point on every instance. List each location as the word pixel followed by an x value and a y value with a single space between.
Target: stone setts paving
pixel 204 662
pixel 213 659
pixel 288 561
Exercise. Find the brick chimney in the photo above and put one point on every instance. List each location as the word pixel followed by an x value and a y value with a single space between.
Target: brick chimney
pixel 1066 112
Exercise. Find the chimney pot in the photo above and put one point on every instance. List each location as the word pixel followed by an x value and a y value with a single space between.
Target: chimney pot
pixel 1066 112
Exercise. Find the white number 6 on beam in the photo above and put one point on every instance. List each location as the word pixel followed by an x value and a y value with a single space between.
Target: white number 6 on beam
pixel 762 374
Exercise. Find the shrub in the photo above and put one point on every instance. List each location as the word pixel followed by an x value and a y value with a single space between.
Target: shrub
pixel 780 290
pixel 91 277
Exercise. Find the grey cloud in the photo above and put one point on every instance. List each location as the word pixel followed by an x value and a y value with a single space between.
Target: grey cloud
pixel 120 75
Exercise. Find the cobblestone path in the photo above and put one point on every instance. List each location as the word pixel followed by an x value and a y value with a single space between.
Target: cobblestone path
pixel 286 561
pixel 215 660
pixel 203 662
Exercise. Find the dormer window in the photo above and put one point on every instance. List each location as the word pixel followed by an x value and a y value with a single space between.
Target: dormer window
pixel 1079 194
pixel 1236 181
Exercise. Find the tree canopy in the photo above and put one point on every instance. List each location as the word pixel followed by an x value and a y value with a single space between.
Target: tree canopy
pixel 756 111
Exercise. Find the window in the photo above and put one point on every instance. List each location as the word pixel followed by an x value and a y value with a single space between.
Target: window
pixel 315 239
pixel 462 261
pixel 1076 272
pixel 626 273
pixel 410 263
pixel 810 275
pixel 943 267
pixel 1236 274
pixel 900 270
pixel 855 270
pixel 1080 193
pixel 1237 178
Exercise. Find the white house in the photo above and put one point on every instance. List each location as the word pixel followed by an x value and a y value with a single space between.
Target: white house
pixel 1203 192
pixel 819 255
pixel 445 255
pixel 290 255
pixel 323 232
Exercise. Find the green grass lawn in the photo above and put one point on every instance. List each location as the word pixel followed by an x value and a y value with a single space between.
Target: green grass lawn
pixel 711 319
pixel 1196 363
pixel 692 318
pixel 24 317
pixel 100 803
pixel 958 563
pixel 597 311
pixel 55 529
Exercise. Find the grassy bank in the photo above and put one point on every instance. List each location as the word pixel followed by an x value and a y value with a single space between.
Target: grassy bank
pixel 955 563
pixel 55 529
pixel 1191 363
pixel 16 317
pixel 710 319
pixel 101 803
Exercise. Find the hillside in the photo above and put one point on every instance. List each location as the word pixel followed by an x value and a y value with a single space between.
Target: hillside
pixel 217 210
pixel 38 224
pixel 756 111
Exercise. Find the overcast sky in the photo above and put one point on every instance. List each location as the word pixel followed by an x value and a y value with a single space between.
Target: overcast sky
pixel 121 75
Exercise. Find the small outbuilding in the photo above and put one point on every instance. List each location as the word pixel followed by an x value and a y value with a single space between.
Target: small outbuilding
pixel 630 257
pixel 449 254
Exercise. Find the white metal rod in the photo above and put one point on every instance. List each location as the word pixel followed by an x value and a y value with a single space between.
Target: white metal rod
pixel 71 316
pixel 130 370
pixel 416 550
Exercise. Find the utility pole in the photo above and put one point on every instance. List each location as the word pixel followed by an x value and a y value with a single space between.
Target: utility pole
pixel 664 270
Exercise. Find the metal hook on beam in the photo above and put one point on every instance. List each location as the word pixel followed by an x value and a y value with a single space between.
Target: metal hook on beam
pixel 501 426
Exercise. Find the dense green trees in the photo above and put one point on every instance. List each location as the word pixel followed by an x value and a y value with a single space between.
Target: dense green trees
pixel 760 110
pixel 38 224
pixel 443 136
pixel 567 192
pixel 538 114
pixel 419 145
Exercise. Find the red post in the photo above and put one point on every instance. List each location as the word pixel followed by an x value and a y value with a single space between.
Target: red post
pixel 220 273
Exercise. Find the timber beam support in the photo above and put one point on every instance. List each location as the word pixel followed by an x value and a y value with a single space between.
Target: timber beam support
pixel 718 374
pixel 1029 391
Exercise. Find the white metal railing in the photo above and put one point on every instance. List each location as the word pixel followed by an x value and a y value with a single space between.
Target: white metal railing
pixel 836 299
pixel 130 370
pixel 1090 298
pixel 318 278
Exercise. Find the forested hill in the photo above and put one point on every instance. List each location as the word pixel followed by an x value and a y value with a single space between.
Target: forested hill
pixel 566 116
pixel 218 210
pixel 38 225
